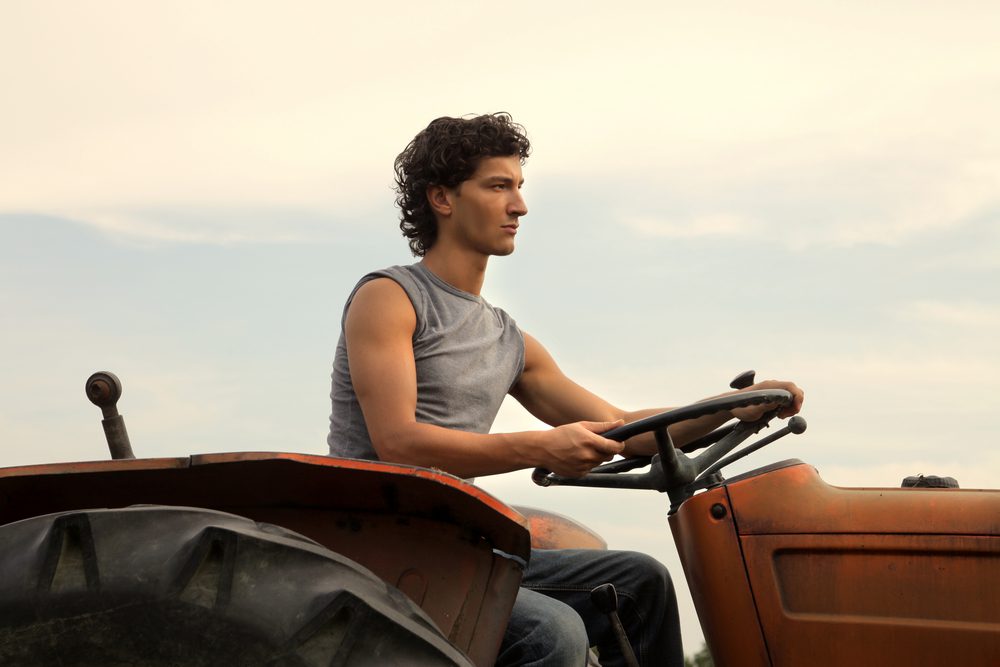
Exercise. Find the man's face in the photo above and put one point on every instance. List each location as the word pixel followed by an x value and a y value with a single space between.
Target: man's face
pixel 485 208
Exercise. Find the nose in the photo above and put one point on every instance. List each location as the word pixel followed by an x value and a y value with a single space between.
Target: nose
pixel 517 206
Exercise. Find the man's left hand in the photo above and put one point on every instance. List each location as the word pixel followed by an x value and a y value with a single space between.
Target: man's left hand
pixel 754 412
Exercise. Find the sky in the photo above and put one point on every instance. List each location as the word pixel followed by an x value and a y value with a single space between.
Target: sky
pixel 188 192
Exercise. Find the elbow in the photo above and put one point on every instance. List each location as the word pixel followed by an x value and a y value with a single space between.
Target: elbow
pixel 386 451
pixel 394 447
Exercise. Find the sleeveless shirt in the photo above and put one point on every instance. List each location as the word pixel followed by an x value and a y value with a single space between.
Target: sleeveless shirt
pixel 468 356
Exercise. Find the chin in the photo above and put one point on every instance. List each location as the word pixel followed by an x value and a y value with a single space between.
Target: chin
pixel 503 252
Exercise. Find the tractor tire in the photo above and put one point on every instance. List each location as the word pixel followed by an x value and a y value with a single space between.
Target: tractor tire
pixel 157 586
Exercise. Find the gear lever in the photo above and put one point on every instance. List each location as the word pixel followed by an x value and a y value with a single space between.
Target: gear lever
pixel 605 598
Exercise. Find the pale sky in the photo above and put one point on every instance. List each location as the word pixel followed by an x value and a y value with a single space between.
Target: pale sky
pixel 189 190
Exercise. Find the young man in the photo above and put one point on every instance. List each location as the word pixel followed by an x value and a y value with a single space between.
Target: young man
pixel 423 364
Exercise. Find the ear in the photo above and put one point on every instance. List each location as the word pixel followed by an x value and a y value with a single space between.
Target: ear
pixel 439 197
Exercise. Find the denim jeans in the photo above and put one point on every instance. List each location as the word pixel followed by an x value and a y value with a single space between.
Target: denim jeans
pixel 554 621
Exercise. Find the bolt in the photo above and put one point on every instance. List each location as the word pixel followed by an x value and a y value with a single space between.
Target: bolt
pixel 718 511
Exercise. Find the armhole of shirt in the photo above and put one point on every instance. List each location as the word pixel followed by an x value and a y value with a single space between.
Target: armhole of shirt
pixel 521 354
pixel 409 286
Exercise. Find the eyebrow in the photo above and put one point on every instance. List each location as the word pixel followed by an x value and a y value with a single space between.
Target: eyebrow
pixel 501 179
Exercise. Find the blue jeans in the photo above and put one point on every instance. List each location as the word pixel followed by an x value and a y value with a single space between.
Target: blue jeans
pixel 554 621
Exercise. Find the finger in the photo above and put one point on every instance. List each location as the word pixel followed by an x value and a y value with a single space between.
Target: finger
pixel 609 448
pixel 798 396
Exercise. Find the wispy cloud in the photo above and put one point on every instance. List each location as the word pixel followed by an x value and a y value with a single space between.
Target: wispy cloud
pixel 207 227
pixel 970 315
pixel 826 199
pixel 916 197
pixel 725 225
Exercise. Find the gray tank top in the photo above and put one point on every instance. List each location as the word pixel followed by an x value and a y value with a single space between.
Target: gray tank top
pixel 468 356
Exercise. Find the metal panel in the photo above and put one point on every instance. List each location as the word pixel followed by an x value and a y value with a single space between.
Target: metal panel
pixel 710 553
pixel 877 599
pixel 433 533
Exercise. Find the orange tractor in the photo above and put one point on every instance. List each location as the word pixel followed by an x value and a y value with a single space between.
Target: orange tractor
pixel 293 559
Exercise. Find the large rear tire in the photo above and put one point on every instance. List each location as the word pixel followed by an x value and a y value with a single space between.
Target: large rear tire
pixel 158 586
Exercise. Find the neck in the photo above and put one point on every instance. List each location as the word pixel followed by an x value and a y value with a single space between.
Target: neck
pixel 464 270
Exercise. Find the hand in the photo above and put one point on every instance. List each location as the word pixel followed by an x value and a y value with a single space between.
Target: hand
pixel 572 450
pixel 754 412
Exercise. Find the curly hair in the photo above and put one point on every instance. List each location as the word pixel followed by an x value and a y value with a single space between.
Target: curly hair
pixel 447 152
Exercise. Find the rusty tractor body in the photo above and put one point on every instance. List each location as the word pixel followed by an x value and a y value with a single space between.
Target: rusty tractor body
pixel 784 569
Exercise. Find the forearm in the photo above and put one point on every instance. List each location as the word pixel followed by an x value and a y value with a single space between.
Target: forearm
pixel 686 431
pixel 681 433
pixel 574 403
pixel 460 453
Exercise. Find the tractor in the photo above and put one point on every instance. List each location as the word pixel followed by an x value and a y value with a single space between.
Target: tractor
pixel 287 559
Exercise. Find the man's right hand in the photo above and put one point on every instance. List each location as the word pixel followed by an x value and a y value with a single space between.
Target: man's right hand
pixel 572 450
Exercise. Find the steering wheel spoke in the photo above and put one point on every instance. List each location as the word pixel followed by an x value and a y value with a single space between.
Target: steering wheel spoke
pixel 736 436
pixel 622 465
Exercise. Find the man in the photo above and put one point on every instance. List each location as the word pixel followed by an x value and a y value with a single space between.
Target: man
pixel 423 364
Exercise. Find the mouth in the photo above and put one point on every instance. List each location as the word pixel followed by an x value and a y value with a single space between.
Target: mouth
pixel 511 228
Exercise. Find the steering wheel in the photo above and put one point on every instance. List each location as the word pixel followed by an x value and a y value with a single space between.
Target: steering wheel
pixel 672 471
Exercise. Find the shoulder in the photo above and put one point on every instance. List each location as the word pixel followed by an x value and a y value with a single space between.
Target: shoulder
pixel 380 304
pixel 388 286
pixel 379 288
pixel 406 280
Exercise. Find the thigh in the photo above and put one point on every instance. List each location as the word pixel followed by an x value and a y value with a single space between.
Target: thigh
pixel 572 571
pixel 646 598
pixel 542 631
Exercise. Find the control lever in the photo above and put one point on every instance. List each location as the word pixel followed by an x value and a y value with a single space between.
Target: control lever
pixel 796 425
pixel 605 598
pixel 104 389
pixel 743 380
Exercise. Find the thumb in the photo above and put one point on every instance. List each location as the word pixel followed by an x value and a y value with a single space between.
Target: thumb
pixel 601 427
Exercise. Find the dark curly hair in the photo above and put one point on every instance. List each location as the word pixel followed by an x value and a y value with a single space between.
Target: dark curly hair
pixel 447 153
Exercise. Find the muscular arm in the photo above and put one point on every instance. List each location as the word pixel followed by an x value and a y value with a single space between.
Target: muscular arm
pixel 379 334
pixel 546 392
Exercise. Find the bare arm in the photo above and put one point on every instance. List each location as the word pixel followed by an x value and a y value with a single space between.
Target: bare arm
pixel 379 334
pixel 546 392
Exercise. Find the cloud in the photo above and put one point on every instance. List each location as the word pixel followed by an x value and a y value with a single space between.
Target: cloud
pixel 145 230
pixel 918 196
pixel 984 256
pixel 963 313
pixel 725 225
pixel 309 105
pixel 217 226
pixel 894 196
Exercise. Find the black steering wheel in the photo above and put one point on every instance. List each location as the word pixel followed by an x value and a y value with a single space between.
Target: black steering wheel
pixel 672 471
pixel 704 408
